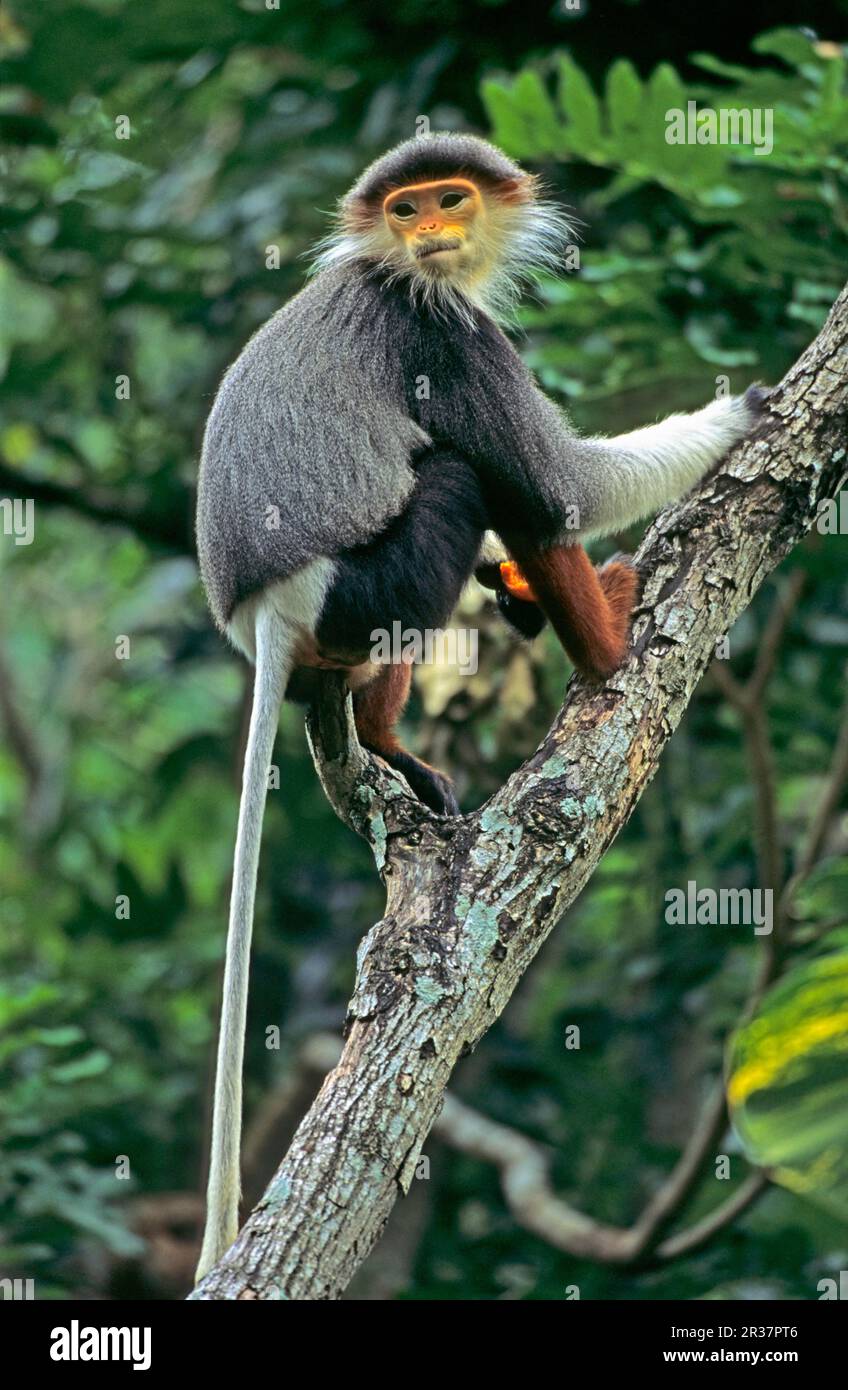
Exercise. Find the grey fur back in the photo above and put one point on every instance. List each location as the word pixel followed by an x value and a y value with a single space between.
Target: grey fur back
pixel 310 419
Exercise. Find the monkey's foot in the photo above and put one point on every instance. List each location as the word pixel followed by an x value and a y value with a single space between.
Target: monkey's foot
pixel 488 573
pixel 513 595
pixel 514 582
pixel 526 618
pixel 429 785
pixel 757 399
pixel 621 584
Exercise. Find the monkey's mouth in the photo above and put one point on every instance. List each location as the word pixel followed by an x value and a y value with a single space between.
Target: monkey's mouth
pixel 433 248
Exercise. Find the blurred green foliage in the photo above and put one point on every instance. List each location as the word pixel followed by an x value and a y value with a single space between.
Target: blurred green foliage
pixel 141 265
pixel 787 1082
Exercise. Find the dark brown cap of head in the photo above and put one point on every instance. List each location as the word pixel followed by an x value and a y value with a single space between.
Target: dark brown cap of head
pixel 438 156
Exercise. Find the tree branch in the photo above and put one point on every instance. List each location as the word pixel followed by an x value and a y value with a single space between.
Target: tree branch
pixel 471 899
pixel 823 813
pixel 169 525
pixel 749 701
pixel 693 1237
pixel 523 1168
pixel 528 1193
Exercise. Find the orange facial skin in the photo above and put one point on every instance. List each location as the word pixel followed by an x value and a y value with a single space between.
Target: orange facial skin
pixel 432 218
pixel 515 583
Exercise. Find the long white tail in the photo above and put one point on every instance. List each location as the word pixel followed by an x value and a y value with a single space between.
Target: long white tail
pixel 273 666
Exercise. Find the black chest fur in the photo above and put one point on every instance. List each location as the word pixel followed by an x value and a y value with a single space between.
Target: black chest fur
pixel 466 386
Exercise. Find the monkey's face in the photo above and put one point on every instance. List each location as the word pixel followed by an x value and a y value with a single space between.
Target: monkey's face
pixel 438 227
pixel 458 240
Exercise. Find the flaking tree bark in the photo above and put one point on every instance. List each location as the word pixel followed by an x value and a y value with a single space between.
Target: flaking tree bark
pixel 469 900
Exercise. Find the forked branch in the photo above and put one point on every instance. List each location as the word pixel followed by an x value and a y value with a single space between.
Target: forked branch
pixel 471 899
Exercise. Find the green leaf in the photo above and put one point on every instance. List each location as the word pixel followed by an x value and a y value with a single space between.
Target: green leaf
pixel 624 97
pixel 523 117
pixel 665 93
pixel 734 71
pixel 581 109
pixel 92 1064
pixel 702 336
pixel 788 1082
pixel 824 896
pixel 27 312
pixel 537 110
pixel 59 1037
pixel 101 169
pixel 14 1007
pixel 794 47
pixel 509 126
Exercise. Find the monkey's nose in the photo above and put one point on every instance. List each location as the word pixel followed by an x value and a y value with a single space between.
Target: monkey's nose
pixel 426 227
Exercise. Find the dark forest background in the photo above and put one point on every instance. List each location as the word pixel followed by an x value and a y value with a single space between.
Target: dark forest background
pixel 131 272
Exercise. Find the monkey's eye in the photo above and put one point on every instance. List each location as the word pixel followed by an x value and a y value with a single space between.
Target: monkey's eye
pixel 449 201
pixel 404 210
